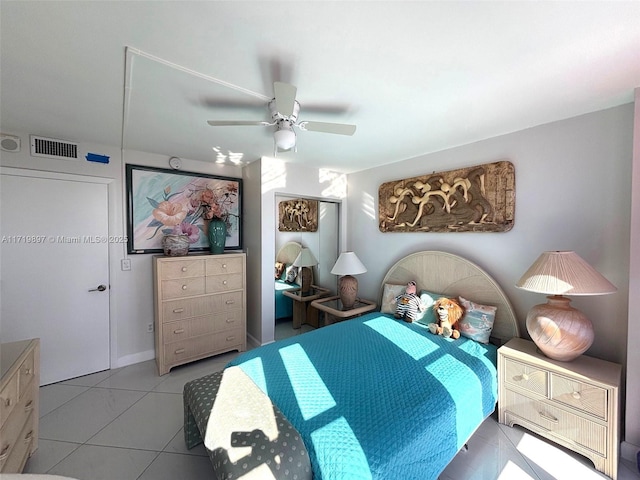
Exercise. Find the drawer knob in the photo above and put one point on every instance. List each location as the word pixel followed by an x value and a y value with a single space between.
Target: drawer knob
pixel 230 338
pixel 28 406
pixel 178 310
pixel 224 265
pixel 27 371
pixel 230 320
pixel 518 378
pixel 184 269
pixel 230 302
pixel 5 452
pixel 224 282
pixel 7 402
pixel 179 351
pixel 576 395
pixel 28 436
pixel 184 287
pixel 178 330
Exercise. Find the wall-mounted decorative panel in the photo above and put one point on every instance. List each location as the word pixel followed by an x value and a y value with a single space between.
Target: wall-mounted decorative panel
pixel 298 215
pixel 474 199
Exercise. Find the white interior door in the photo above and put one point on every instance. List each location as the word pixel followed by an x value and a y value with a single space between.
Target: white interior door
pixel 54 257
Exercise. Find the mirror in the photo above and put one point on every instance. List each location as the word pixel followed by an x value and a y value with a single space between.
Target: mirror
pixel 323 243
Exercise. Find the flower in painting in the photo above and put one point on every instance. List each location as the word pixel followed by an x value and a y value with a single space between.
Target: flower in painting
pixel 169 213
pixel 186 211
pixel 192 231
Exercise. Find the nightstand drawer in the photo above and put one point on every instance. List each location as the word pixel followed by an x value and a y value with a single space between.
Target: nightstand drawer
pixel 526 376
pixel 584 396
pixel 561 423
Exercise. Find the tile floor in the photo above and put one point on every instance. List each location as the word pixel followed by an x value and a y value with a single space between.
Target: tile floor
pixel 127 424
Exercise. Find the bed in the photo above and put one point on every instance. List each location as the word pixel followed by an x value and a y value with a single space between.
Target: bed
pixel 371 398
pixel 285 257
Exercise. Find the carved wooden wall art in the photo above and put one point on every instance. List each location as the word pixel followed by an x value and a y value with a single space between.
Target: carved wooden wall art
pixel 299 215
pixel 474 199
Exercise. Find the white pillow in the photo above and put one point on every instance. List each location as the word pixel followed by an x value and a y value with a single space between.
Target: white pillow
pixel 389 295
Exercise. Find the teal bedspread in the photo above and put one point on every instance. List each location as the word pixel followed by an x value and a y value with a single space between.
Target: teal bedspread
pixel 378 398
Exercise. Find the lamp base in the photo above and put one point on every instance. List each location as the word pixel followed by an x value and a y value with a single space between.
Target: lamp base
pixel 560 331
pixel 348 290
pixel 305 278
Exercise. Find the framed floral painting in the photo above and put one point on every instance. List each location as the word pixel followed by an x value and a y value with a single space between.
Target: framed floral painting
pixel 165 201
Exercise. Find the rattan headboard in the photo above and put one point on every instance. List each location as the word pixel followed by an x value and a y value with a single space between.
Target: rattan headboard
pixel 452 275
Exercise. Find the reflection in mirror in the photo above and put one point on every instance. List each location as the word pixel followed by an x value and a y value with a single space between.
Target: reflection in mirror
pixel 323 244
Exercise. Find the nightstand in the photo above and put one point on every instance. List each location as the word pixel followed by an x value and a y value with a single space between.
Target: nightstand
pixel 575 404
pixel 302 311
pixel 336 312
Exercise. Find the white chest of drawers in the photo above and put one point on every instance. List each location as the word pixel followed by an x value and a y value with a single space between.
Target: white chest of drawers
pixel 575 404
pixel 19 395
pixel 200 307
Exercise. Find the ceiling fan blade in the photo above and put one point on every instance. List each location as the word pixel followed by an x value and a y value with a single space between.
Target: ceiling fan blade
pixel 339 128
pixel 285 97
pixel 233 123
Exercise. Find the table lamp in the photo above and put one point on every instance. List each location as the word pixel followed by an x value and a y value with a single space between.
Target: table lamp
pixel 560 331
pixel 304 260
pixel 348 264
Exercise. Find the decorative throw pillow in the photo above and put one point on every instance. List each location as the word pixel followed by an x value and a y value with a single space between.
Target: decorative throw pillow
pixel 279 270
pixel 292 273
pixel 427 316
pixel 389 294
pixel 477 321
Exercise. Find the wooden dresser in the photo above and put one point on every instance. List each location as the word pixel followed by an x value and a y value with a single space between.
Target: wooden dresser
pixel 575 404
pixel 19 395
pixel 200 307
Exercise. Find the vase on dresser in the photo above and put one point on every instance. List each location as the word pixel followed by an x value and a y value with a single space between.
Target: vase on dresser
pixel 175 245
pixel 217 235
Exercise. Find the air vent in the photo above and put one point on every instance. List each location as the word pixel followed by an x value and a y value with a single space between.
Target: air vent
pixel 53 148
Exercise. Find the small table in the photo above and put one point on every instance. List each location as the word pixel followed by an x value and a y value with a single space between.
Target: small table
pixel 337 312
pixel 302 311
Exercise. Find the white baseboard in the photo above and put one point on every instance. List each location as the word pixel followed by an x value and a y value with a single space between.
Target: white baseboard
pixel 254 342
pixel 629 452
pixel 134 358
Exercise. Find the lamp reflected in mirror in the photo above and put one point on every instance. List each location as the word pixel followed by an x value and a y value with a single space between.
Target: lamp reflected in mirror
pixel 305 260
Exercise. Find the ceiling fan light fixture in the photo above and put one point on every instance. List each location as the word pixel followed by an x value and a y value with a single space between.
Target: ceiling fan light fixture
pixel 285 139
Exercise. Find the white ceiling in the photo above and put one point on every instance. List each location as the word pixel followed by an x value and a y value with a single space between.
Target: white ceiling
pixel 415 77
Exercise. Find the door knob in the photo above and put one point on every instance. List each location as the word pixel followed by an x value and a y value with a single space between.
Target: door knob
pixel 99 288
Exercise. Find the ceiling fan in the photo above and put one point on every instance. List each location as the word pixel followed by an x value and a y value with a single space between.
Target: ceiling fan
pixel 284 109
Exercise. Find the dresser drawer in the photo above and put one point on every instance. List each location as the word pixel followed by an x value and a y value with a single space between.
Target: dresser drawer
pixel 224 283
pixel 8 398
pixel 203 345
pixel 222 264
pixel 27 374
pixel 228 301
pixel 11 434
pixel 526 376
pixel 195 307
pixel 17 454
pixel 193 327
pixel 182 269
pixel 561 423
pixel 183 287
pixel 186 308
pixel 583 396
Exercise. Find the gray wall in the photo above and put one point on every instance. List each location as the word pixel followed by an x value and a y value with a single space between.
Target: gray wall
pixel 573 192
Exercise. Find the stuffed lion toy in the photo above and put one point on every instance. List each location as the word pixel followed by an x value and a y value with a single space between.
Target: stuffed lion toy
pixel 448 311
